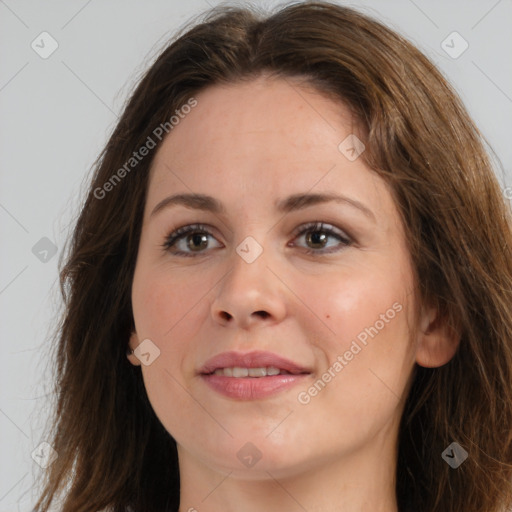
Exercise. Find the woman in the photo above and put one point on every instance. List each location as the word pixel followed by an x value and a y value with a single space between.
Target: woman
pixel 289 287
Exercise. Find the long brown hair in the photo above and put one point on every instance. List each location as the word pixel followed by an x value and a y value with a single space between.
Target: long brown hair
pixel 113 452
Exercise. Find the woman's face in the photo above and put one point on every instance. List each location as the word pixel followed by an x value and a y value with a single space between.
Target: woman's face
pixel 299 267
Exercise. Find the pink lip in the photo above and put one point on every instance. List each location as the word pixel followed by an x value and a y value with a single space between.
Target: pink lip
pixel 251 388
pixel 255 359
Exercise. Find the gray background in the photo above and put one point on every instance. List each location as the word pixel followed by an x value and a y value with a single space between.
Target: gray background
pixel 56 113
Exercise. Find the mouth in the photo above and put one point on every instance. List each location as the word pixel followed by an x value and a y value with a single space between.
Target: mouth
pixel 239 372
pixel 251 376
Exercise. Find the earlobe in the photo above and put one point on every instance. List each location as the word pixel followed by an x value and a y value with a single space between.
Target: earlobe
pixel 437 341
pixel 132 344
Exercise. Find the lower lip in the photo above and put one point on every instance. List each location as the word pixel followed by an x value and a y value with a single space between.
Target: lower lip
pixel 252 388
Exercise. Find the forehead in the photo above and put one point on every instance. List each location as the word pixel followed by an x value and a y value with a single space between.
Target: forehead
pixel 265 137
pixel 262 109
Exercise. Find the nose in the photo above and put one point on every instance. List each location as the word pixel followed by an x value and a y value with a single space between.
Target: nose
pixel 250 294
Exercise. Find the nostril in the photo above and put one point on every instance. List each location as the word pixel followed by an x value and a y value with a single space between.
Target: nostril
pixel 263 314
pixel 225 315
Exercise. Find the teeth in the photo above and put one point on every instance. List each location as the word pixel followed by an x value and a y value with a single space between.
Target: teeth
pixel 249 372
pixel 240 372
pixel 257 372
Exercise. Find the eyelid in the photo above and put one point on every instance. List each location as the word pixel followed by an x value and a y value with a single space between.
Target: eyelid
pixel 179 233
pixel 320 225
pixel 182 231
pixel 346 240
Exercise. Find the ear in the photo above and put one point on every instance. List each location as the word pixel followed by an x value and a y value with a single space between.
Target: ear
pixel 132 345
pixel 437 342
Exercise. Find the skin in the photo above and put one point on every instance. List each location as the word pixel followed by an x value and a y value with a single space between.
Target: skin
pixel 249 145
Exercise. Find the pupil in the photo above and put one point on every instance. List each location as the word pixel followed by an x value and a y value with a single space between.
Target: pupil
pixel 317 237
pixel 198 238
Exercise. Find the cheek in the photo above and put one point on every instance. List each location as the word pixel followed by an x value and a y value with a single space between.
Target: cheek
pixel 364 338
pixel 162 300
pixel 166 309
pixel 351 300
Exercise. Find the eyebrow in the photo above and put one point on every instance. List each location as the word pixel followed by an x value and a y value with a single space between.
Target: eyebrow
pixel 292 203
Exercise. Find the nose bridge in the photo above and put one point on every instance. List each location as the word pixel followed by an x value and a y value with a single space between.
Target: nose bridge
pixel 250 291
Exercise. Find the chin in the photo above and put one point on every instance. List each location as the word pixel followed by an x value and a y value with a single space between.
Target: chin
pixel 254 458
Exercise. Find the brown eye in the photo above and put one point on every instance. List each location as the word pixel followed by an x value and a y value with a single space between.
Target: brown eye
pixel 317 237
pixel 188 240
pixel 197 241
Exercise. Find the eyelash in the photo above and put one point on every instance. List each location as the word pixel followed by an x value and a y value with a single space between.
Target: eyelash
pixel 180 233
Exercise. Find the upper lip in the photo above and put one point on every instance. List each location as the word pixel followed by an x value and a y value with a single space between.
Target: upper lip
pixel 255 359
